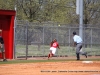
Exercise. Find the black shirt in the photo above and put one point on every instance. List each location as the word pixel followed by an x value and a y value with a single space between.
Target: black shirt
pixel 1 40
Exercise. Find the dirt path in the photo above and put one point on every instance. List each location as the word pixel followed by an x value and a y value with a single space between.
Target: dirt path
pixel 51 68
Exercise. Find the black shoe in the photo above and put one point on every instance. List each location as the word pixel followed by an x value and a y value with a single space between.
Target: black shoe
pixel 78 59
pixel 86 55
pixel 4 59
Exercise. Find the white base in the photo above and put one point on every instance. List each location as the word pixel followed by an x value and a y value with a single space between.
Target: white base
pixel 87 61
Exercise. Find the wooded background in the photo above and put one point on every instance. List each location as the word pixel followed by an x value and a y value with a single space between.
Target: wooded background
pixel 56 11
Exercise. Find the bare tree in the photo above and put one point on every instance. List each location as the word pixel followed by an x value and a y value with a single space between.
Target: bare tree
pixel 91 11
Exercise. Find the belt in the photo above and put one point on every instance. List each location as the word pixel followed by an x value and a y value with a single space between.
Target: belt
pixel 79 43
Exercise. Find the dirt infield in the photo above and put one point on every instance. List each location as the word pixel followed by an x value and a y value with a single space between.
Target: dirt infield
pixel 51 68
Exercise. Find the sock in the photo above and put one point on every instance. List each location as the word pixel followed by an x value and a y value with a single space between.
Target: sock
pixel 48 55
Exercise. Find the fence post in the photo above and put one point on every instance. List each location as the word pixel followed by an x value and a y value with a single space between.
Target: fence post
pixel 69 39
pixel 14 48
pixel 91 40
pixel 43 41
pixel 26 41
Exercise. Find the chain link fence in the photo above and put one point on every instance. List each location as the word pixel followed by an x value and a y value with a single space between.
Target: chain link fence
pixel 33 39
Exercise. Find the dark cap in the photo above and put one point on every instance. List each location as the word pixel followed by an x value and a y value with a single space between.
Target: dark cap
pixel 55 39
pixel 74 33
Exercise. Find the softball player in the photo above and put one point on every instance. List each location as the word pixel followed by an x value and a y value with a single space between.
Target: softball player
pixel 2 50
pixel 54 45
pixel 78 43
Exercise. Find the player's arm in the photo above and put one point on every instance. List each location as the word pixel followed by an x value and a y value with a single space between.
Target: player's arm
pixel 0 45
pixel 58 46
pixel 74 44
pixel 51 44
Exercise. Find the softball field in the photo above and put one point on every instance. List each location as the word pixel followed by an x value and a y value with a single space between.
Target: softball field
pixel 51 67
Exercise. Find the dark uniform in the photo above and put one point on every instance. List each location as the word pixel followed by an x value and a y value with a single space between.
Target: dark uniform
pixel 2 48
pixel 2 42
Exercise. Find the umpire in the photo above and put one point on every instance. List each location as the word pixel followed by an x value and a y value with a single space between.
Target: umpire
pixel 78 44
pixel 2 50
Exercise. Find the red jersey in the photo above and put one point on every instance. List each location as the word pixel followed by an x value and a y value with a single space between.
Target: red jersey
pixel 55 44
pixel 51 44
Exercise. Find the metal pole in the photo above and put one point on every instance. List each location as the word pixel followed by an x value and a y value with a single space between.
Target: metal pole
pixel 14 48
pixel 43 42
pixel 26 41
pixel 14 43
pixel 81 19
pixel 91 41
pixel 77 7
pixel 69 40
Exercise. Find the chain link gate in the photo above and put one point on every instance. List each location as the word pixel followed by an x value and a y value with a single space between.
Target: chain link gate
pixel 33 39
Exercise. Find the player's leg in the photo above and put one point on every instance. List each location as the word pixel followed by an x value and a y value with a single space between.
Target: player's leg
pixel 3 53
pixel 83 53
pixel 78 56
pixel 53 51
pixel 78 51
pixel 49 55
pixel 4 58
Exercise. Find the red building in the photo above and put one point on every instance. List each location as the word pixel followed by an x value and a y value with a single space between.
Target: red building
pixel 7 26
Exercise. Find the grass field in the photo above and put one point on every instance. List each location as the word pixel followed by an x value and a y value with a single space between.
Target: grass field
pixel 53 59
pixel 34 50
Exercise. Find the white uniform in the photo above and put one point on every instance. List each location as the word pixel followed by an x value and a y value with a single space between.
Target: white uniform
pixel 53 50
pixel 78 41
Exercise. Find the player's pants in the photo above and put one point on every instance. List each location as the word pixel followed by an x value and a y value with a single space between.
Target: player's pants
pixel 2 48
pixel 79 51
pixel 53 50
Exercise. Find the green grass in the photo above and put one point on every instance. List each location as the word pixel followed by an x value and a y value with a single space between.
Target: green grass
pixel 39 61
pixel 33 50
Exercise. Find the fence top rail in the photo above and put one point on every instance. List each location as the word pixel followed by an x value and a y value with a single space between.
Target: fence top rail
pixel 56 26
pixel 53 24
